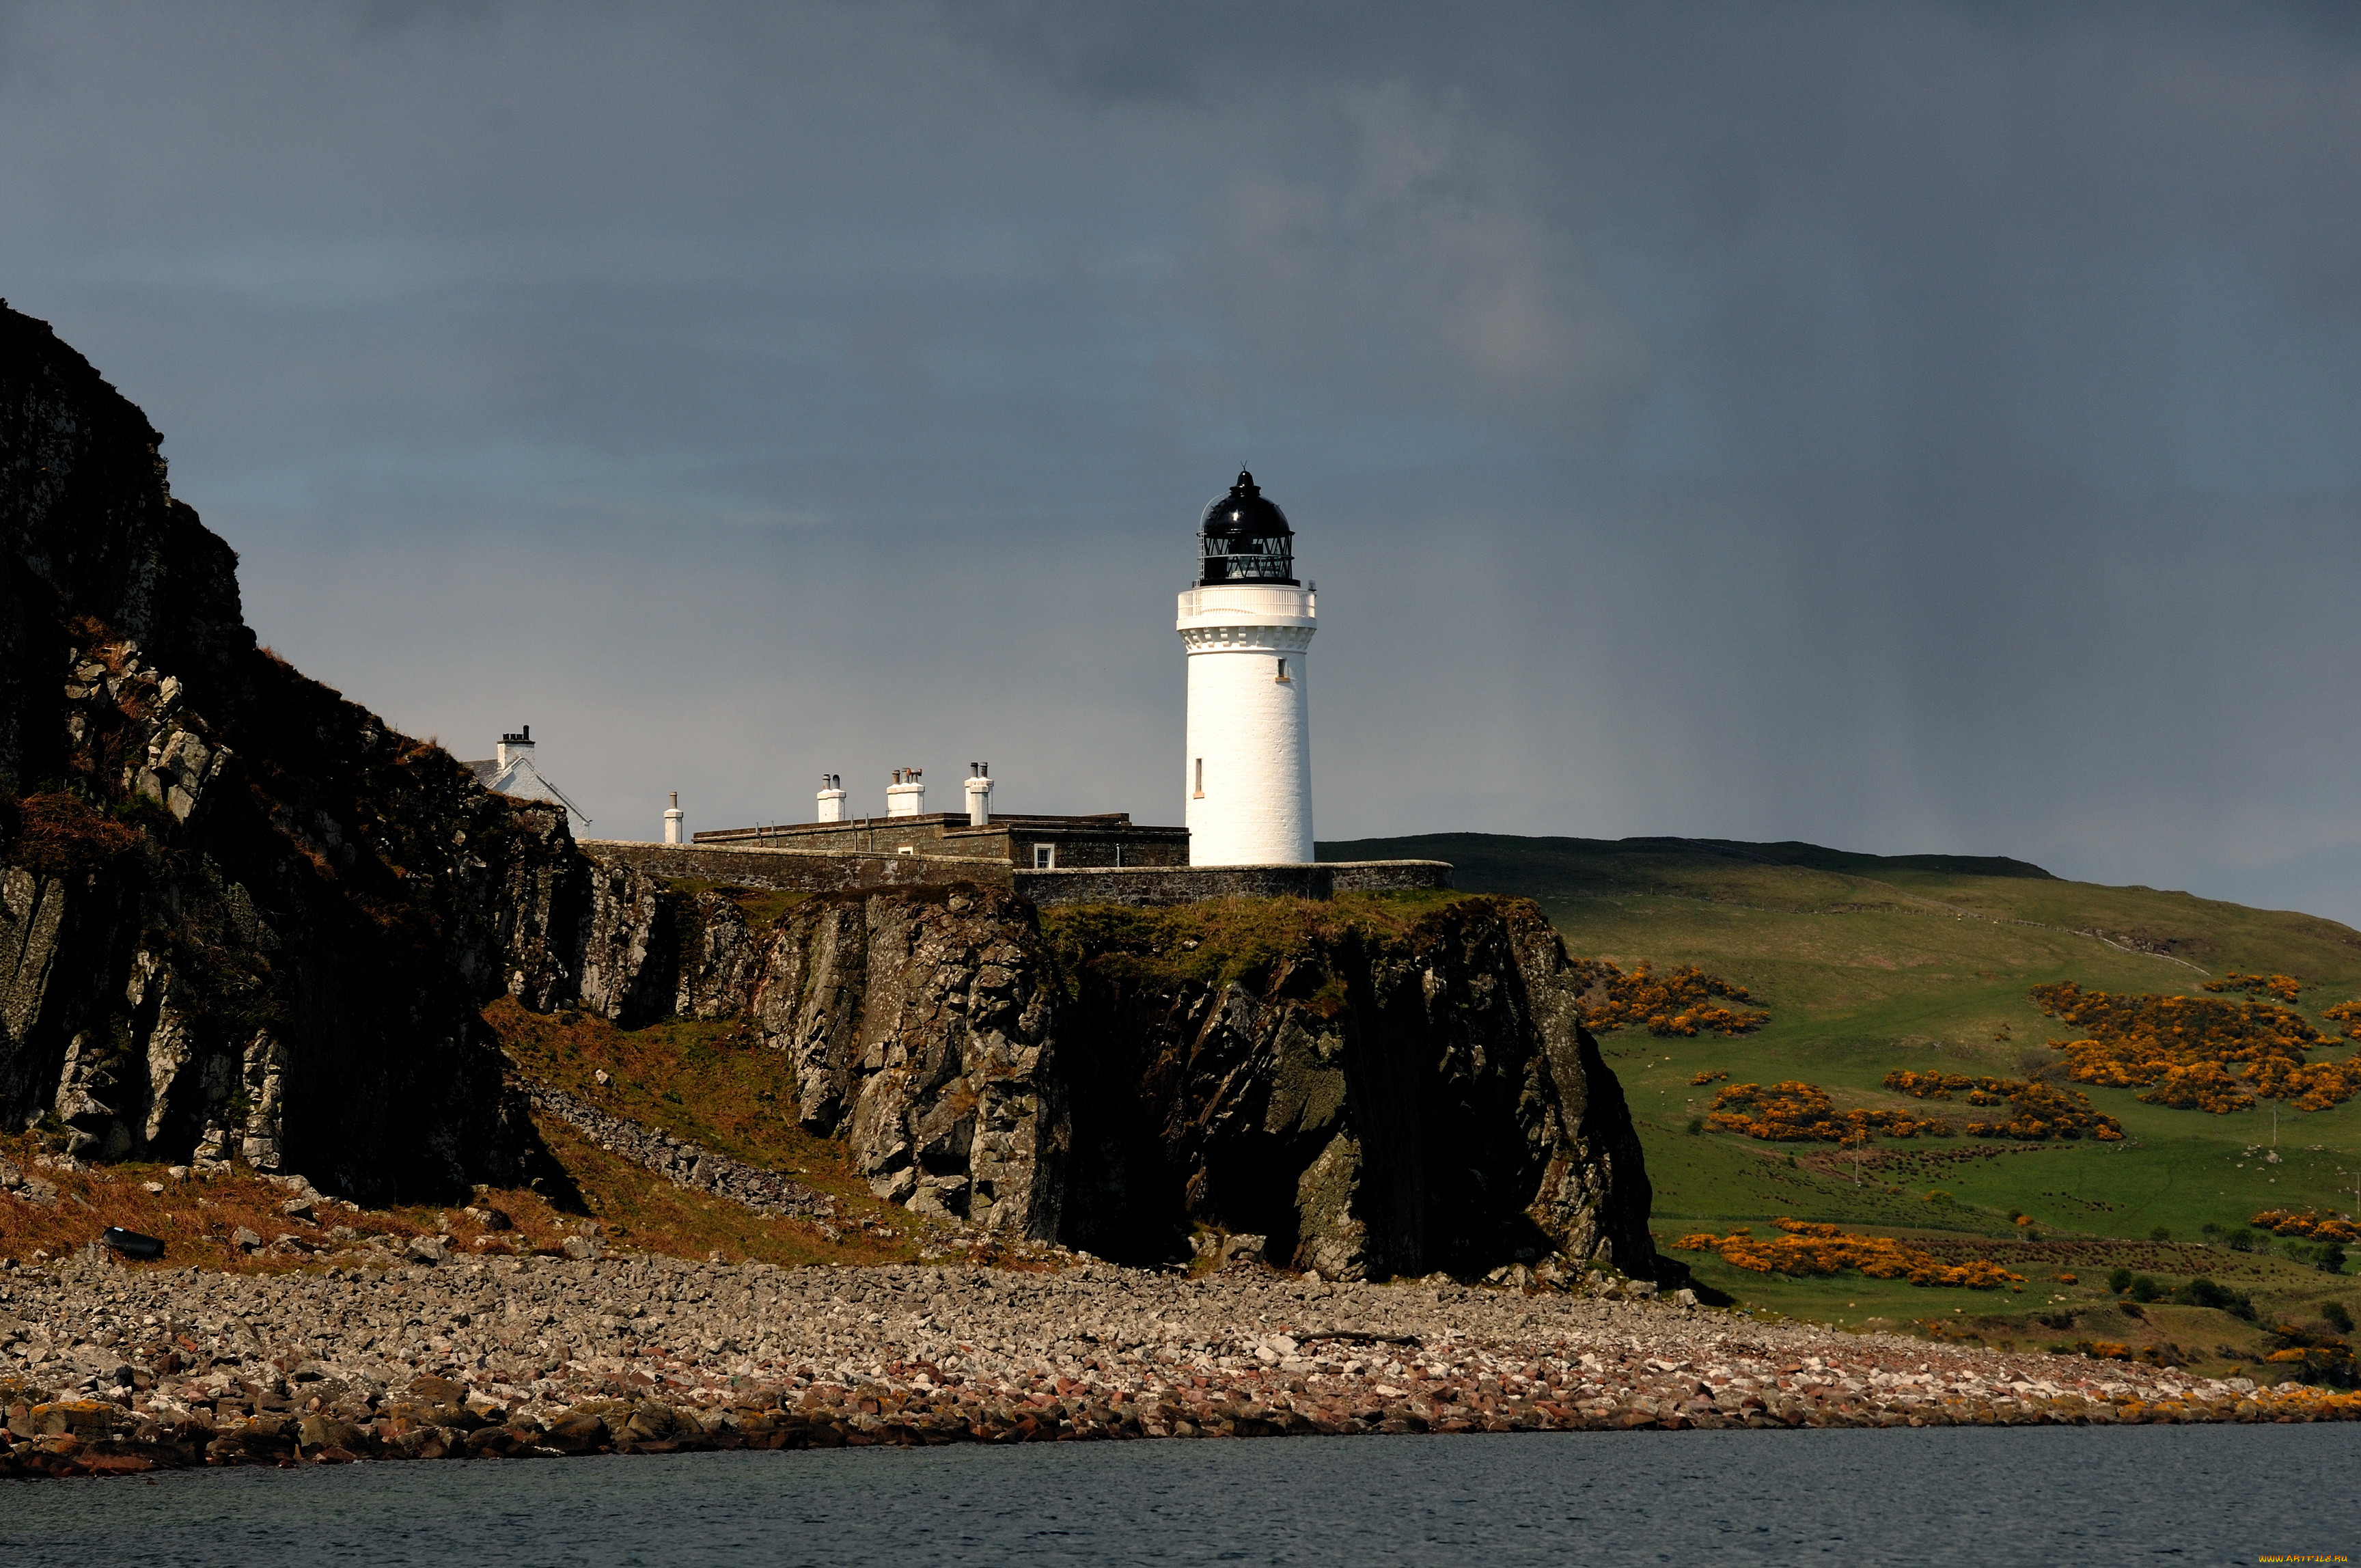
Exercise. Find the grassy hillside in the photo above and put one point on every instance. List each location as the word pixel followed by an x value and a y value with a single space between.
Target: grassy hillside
pixel 1869 963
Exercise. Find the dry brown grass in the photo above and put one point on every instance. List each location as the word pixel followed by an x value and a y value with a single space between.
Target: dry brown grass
pixel 707 1081
pixel 643 1212
pixel 59 834
pixel 197 1218
pixel 712 1082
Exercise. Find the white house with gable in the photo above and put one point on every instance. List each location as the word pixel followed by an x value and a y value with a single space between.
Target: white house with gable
pixel 511 772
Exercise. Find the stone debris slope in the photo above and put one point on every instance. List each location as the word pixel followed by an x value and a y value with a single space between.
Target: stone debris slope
pixel 688 1164
pixel 109 1368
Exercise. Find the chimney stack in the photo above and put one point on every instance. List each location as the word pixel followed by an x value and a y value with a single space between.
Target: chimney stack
pixel 513 745
pixel 831 799
pixel 979 794
pixel 906 797
pixel 674 817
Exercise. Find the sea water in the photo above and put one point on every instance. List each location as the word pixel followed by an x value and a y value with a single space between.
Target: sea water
pixel 2005 1496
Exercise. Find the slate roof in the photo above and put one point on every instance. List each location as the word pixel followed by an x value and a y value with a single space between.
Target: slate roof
pixel 521 779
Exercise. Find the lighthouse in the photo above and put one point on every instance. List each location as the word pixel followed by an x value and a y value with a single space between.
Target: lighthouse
pixel 1248 624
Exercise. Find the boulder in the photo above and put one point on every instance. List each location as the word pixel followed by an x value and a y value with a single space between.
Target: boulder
pixel 325 1430
pixel 577 1431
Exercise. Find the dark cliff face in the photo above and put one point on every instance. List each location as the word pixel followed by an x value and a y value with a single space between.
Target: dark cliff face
pixel 238 916
pixel 93 534
pixel 1376 1096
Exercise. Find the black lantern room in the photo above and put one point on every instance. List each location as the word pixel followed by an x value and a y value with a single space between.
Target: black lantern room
pixel 1242 537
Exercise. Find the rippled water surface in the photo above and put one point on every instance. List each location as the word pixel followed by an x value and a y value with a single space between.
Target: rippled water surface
pixel 1969 1495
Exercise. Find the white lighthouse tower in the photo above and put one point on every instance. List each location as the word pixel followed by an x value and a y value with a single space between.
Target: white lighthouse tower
pixel 1248 625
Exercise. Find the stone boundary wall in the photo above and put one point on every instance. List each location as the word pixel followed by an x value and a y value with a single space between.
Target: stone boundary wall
pixel 1188 884
pixel 805 870
pixel 793 870
pixel 1105 841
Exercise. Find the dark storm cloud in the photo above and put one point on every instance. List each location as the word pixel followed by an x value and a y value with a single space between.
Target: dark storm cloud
pixel 1915 427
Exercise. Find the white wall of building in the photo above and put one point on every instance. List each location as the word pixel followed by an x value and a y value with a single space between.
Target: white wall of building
pixel 1246 784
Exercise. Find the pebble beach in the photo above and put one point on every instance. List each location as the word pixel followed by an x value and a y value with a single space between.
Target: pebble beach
pixel 110 1369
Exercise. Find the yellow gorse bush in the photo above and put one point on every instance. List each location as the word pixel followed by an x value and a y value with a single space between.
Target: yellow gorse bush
pixel 2201 1053
pixel 1802 1112
pixel 1817 1249
pixel 2038 1111
pixel 2283 986
pixel 1680 1002
pixel 2310 1223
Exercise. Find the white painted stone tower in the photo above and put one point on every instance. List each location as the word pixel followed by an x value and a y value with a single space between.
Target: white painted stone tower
pixel 673 817
pixel 1248 625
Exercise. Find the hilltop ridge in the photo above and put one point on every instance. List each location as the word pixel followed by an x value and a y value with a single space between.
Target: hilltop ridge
pixel 1507 862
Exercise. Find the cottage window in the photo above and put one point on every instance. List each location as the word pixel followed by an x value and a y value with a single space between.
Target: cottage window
pixel 1045 857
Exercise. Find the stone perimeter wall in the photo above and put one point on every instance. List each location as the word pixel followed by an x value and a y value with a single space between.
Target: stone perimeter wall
pixel 793 870
pixel 804 870
pixel 1106 840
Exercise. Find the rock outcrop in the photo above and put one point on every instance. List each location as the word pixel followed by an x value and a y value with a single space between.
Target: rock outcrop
pixel 1377 1096
pixel 918 1021
pixel 686 1164
pixel 238 915
pixel 1373 1094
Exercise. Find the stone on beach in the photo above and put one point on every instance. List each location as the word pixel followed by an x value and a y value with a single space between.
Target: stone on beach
pixel 105 1368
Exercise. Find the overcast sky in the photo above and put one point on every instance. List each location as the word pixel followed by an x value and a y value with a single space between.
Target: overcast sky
pixel 1906 427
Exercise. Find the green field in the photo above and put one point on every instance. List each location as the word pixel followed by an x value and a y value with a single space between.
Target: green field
pixel 1871 964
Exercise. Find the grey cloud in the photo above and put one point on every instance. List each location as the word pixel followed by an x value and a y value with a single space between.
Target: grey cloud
pixel 1906 425
pixel 1419 272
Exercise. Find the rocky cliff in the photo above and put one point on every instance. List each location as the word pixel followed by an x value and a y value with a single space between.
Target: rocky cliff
pixel 238 916
pixel 1377 1087
pixel 242 918
pixel 1372 1087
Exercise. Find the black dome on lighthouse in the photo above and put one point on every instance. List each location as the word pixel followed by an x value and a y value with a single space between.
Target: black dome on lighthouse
pixel 1242 537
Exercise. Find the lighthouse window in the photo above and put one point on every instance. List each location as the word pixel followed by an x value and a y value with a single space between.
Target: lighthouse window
pixel 1200 778
pixel 1282 669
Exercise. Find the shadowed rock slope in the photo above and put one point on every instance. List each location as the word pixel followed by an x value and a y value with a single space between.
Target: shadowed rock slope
pixel 1379 1087
pixel 239 917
